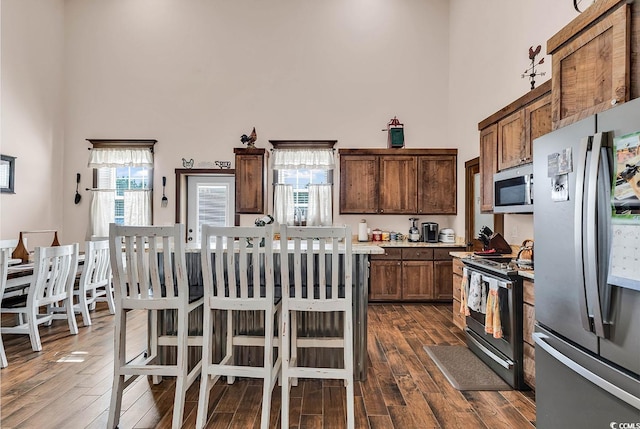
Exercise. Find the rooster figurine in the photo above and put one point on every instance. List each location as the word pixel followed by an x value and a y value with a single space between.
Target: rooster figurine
pixel 250 139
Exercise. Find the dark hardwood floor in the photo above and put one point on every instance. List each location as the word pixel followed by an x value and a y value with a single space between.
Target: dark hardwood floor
pixel 68 384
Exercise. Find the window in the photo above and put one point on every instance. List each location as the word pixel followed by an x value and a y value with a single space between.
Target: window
pixel 122 188
pixel 122 180
pixel 303 179
pixel 300 180
pixel 211 201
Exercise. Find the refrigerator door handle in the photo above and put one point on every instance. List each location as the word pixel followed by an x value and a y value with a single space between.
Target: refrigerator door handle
pixel 578 225
pixel 593 272
pixel 539 339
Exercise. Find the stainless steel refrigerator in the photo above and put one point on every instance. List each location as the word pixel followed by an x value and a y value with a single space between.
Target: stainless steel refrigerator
pixel 587 335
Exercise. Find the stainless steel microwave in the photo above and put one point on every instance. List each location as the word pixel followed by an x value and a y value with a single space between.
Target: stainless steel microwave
pixel 513 190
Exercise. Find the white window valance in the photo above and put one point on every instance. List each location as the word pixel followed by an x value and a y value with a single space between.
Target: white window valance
pixel 110 157
pixel 318 159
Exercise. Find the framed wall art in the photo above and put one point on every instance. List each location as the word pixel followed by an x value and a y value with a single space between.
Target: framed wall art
pixel 7 173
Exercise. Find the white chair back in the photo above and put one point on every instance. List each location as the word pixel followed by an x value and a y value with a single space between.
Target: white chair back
pixel 313 245
pixel 54 273
pixel 148 262
pixel 5 253
pixel 224 249
pixel 96 271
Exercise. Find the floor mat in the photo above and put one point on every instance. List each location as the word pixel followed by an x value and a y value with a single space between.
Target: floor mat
pixel 465 370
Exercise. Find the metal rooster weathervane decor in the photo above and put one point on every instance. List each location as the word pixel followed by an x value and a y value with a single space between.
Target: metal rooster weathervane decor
pixel 531 72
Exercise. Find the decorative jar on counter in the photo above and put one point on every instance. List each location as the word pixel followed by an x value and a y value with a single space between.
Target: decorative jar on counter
pixel 377 235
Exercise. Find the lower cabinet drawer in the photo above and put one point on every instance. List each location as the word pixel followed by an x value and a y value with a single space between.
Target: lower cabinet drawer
pixel 458 318
pixel 457 286
pixel 458 266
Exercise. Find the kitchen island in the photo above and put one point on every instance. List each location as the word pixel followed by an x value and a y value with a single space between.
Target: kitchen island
pixel 310 324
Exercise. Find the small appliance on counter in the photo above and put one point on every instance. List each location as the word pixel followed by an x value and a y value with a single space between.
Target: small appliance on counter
pixel 447 235
pixel 430 232
pixel 524 259
pixel 414 232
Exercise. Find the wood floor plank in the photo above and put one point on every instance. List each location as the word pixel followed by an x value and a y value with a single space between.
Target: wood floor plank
pixel 404 388
pixel 333 410
pixel 312 397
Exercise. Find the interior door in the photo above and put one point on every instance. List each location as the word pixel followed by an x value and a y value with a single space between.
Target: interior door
pixel 474 217
pixel 211 201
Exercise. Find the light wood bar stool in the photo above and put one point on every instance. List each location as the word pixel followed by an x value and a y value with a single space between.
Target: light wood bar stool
pixel 322 292
pixel 142 282
pixel 237 272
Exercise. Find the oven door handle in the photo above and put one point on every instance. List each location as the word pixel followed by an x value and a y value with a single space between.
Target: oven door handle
pixel 507 364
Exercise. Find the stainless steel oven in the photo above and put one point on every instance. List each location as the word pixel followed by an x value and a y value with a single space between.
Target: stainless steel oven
pixel 505 354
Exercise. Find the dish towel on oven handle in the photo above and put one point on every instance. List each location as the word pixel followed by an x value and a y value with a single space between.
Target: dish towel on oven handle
pixel 464 292
pixel 492 323
pixel 476 299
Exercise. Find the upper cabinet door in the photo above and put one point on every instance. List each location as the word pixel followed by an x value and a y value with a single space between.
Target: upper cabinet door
pixel 537 122
pixel 437 184
pixel 398 184
pixel 590 62
pixel 511 141
pixel 358 184
pixel 488 165
pixel 250 181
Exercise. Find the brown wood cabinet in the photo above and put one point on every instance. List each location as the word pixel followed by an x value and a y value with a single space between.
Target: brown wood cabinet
pixel 458 318
pixel 591 59
pixel 398 181
pixel 385 276
pixel 488 165
pixel 512 147
pixel 411 274
pixel 506 137
pixel 528 324
pixel 250 180
pixel 359 183
pixel 436 174
pixel 398 187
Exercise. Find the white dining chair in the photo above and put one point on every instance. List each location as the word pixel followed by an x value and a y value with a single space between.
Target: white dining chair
pixel 95 280
pixel 317 281
pixel 5 255
pixel 238 276
pixel 51 288
pixel 149 273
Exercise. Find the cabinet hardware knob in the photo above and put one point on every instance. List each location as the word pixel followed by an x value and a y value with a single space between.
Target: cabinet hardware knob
pixel 381 210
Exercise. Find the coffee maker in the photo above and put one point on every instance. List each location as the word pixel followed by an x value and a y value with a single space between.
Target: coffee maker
pixel 430 232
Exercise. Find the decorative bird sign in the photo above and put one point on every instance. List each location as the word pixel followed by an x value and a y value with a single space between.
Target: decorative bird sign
pixel 250 139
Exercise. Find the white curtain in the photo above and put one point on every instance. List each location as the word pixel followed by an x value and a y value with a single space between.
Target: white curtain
pixel 102 212
pixel 283 204
pixel 109 157
pixel 137 208
pixel 319 210
pixel 319 159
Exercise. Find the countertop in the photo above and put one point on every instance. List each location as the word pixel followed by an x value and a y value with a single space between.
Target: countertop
pixel 528 274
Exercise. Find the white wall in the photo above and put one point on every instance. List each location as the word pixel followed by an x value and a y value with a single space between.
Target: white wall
pixel 489 42
pixel 196 75
pixel 31 119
